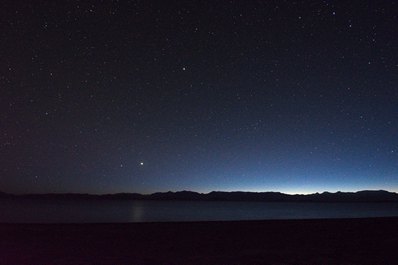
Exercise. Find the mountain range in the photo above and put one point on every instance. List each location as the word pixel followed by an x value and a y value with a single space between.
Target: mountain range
pixel 359 196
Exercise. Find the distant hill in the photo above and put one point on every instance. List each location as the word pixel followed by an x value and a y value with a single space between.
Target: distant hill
pixel 4 195
pixel 360 196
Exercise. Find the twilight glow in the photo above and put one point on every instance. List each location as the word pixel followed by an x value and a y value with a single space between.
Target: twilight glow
pixel 269 96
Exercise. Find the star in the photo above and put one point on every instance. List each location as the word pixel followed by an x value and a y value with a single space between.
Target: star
pixel 141 163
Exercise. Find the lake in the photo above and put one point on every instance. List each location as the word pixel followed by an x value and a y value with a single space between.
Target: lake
pixel 122 211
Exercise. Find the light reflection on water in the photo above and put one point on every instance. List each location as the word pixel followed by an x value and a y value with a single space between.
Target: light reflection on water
pixel 120 211
pixel 137 212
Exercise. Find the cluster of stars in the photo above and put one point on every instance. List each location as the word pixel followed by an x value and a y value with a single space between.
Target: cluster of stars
pixel 91 91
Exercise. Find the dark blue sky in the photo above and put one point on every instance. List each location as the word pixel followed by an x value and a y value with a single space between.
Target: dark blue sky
pixel 145 96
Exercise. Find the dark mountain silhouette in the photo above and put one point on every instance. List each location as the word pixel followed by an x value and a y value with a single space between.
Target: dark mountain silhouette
pixel 360 196
pixel 2 194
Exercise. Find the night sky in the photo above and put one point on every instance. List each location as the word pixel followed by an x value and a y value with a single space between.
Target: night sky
pixel 146 96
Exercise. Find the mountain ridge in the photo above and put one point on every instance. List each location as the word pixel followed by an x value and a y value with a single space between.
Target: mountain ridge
pixel 268 196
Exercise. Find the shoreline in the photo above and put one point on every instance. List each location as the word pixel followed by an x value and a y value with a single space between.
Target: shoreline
pixel 303 241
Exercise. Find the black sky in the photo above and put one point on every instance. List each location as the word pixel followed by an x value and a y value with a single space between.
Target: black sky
pixel 144 96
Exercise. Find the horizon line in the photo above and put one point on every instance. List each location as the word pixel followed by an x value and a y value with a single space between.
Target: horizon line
pixel 204 193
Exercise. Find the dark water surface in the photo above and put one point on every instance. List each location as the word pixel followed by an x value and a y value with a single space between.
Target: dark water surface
pixel 121 211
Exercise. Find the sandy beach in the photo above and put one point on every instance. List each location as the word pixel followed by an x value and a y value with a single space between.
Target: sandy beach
pixel 334 241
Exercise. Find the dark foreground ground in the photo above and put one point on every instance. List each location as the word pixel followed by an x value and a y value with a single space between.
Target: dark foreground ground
pixel 345 241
